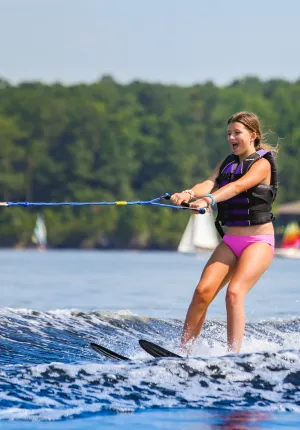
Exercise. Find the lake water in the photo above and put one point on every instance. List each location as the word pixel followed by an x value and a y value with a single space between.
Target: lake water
pixel 54 303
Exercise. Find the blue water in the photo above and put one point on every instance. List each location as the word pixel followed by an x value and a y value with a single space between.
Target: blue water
pixel 54 303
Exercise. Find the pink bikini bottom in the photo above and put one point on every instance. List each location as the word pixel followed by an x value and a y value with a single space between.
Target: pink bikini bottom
pixel 238 243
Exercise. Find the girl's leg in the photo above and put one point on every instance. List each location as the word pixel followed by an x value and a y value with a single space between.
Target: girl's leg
pixel 215 275
pixel 202 319
pixel 253 262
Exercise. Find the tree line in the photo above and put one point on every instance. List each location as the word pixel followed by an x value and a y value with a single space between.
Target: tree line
pixel 105 141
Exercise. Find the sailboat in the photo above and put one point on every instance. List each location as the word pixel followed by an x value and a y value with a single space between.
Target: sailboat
pixel 39 235
pixel 200 234
pixel 290 247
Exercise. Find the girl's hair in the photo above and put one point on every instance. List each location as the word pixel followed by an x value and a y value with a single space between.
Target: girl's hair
pixel 252 123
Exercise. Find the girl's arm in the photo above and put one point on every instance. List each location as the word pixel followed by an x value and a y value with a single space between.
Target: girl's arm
pixel 258 173
pixel 198 190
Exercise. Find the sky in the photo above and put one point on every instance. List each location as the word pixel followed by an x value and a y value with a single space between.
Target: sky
pixel 182 42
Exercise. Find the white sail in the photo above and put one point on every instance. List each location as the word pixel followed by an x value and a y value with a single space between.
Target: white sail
pixel 186 243
pixel 39 236
pixel 199 234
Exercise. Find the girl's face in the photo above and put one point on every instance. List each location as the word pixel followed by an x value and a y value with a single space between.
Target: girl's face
pixel 240 139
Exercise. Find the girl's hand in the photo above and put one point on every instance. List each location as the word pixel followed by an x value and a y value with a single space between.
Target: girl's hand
pixel 178 198
pixel 198 204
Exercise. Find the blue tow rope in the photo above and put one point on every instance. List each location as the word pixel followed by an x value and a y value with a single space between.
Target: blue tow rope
pixel 153 202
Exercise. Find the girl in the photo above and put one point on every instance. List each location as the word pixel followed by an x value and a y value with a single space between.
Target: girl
pixel 246 185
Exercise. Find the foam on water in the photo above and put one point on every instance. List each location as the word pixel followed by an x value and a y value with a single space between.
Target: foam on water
pixel 48 371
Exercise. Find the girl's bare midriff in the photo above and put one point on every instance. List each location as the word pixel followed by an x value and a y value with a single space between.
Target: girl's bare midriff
pixel 250 230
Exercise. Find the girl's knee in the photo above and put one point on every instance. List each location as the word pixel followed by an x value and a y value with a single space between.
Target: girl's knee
pixel 203 293
pixel 233 296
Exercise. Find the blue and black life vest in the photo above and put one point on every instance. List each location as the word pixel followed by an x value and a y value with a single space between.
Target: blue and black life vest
pixel 251 207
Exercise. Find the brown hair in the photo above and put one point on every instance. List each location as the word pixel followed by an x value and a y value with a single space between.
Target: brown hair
pixel 252 123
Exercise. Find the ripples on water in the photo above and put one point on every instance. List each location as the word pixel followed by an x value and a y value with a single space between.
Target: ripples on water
pixel 48 370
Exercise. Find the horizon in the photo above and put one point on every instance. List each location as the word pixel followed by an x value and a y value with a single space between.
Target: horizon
pixel 4 79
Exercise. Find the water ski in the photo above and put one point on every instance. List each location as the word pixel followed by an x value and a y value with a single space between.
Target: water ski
pixel 156 350
pixel 107 352
pixel 150 347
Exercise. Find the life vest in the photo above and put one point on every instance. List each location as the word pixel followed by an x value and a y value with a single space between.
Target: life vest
pixel 251 207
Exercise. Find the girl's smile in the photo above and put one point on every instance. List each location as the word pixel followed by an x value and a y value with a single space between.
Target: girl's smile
pixel 240 139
